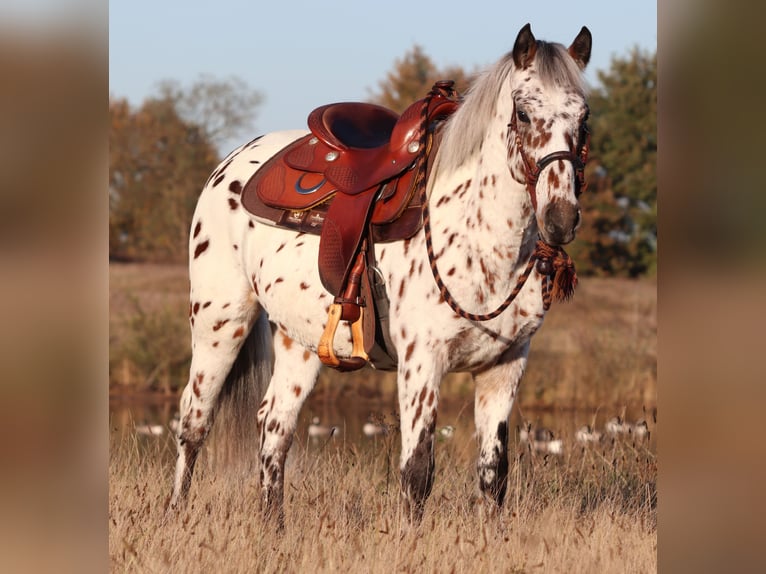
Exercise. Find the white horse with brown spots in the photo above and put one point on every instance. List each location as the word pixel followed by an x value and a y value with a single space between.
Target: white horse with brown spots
pixel 507 171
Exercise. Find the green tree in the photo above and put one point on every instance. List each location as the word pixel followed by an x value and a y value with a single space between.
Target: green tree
pixel 622 213
pixel 411 78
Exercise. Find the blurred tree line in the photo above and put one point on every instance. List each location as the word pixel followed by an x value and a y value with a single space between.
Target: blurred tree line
pixel 162 153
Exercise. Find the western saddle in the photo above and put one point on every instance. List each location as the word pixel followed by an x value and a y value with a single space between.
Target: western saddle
pixel 352 182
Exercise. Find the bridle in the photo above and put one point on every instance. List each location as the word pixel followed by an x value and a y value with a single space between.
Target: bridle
pixel 552 263
pixel 577 156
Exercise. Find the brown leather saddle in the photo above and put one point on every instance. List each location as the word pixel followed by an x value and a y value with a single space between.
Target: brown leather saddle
pixel 351 181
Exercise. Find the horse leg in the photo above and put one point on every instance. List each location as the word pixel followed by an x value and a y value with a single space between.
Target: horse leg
pixel 495 391
pixel 219 330
pixel 418 388
pixel 295 372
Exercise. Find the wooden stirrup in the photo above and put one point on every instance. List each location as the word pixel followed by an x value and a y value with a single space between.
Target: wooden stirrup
pixel 325 348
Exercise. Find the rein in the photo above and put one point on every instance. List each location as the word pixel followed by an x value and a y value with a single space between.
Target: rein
pixel 553 264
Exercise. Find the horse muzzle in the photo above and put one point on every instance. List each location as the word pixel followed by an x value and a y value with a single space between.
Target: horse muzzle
pixel 560 222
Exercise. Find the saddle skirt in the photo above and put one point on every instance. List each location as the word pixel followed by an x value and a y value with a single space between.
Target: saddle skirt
pixel 298 199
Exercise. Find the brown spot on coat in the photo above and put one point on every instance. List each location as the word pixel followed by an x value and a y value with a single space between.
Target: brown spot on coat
pixel 233 203
pixel 220 323
pixel 197 229
pixel 201 247
pixel 238 333
pixel 410 349
pixel 287 341
pixel 235 187
pixel 297 390
pixel 196 308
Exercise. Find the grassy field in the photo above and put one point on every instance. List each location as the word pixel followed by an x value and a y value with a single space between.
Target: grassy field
pixel 592 510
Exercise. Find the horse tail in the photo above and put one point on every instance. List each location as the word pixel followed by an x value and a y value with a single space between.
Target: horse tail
pixel 235 432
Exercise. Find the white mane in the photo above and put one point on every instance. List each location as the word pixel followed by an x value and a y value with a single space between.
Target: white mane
pixel 465 131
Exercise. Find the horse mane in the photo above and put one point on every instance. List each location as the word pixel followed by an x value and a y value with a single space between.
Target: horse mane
pixel 466 128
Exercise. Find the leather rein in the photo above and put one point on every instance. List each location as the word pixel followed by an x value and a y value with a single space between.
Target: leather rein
pixel 553 264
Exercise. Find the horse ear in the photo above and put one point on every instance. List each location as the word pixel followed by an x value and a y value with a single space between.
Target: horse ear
pixel 580 48
pixel 524 48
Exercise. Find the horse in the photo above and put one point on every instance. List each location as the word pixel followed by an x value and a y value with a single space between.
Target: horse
pixel 507 175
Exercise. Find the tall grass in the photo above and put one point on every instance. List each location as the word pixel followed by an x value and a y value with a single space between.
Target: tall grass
pixel 593 510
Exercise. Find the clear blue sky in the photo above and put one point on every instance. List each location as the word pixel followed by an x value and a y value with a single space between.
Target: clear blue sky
pixel 301 54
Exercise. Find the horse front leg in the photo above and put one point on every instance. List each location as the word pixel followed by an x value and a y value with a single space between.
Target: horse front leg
pixel 295 373
pixel 495 392
pixel 418 388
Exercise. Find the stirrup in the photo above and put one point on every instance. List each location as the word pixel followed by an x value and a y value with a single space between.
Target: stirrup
pixel 325 348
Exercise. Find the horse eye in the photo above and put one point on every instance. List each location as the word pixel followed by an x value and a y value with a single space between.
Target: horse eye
pixel 523 117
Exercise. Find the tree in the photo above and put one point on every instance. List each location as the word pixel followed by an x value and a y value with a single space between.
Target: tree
pixel 411 78
pixel 622 214
pixel 160 157
pixel 158 164
pixel 223 109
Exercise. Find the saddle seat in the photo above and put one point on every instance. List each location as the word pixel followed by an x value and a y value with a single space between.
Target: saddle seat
pixel 367 143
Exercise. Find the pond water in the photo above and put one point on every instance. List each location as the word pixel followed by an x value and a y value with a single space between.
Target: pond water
pixel 151 419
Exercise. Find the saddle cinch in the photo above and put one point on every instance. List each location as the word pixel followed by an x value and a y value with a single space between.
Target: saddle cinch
pixel 351 181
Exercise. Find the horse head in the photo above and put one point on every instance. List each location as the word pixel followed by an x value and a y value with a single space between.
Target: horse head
pixel 548 144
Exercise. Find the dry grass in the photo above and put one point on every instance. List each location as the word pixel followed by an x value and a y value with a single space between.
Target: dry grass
pixel 593 510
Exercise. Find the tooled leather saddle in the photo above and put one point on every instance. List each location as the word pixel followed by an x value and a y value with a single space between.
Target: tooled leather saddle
pixel 351 181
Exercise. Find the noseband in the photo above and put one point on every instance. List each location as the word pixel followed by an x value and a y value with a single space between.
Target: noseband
pixel 578 157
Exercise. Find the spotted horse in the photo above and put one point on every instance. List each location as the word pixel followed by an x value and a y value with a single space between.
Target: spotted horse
pixel 466 292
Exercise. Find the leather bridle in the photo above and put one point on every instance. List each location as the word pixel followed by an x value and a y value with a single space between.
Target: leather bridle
pixel 554 266
pixel 577 156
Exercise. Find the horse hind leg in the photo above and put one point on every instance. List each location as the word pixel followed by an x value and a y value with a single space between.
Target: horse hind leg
pixel 219 330
pixel 295 373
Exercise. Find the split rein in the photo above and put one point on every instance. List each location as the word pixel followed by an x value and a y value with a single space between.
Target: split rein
pixel 553 264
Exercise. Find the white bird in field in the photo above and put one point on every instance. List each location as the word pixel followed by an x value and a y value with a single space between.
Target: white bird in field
pixel 372 429
pixel 447 431
pixel 150 430
pixel 317 430
pixel 640 429
pixel 541 439
pixel 587 434
pixel 617 426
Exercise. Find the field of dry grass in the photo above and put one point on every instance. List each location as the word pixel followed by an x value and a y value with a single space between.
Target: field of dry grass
pixel 591 510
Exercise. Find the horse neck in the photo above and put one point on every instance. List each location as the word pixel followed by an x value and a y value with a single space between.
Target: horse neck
pixel 483 204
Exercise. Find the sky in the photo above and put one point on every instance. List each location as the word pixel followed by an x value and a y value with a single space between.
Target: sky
pixel 303 54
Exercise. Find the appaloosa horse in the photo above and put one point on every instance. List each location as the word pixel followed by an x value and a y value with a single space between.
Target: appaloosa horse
pixel 508 173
